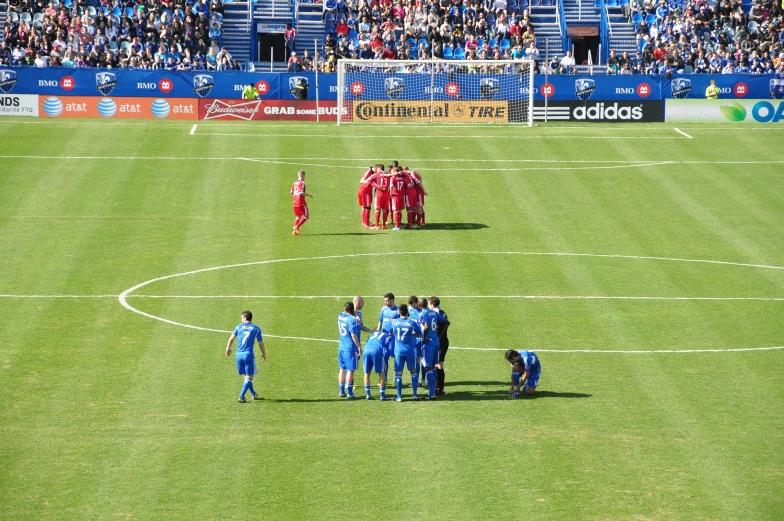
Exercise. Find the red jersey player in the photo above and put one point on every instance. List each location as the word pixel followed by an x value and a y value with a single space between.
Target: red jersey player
pixel 365 194
pixel 418 202
pixel 381 184
pixel 300 206
pixel 398 184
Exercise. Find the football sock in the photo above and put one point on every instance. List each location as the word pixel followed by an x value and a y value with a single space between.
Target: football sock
pixel 378 215
pixel 414 382
pixel 386 215
pixel 342 388
pixel 250 388
pixel 431 382
pixel 440 379
pixel 516 379
pixel 350 388
pixel 365 217
pixel 399 385
pixel 398 218
pixel 383 391
pixel 410 217
pixel 421 217
pixel 367 391
pixel 245 387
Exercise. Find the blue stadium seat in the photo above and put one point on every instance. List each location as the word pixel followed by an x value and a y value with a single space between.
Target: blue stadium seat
pixel 352 34
pixel 412 43
pixel 423 41
pixel 116 11
pixel 523 6
pixel 128 12
pixel 636 19
pixel 650 19
pixel 624 2
pixel 67 3
pixel 504 45
pixel 448 55
pixel 612 3
pixel 480 43
pixel 459 54
pixel 104 10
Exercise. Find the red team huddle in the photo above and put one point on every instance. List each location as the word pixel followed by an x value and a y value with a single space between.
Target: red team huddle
pixel 395 189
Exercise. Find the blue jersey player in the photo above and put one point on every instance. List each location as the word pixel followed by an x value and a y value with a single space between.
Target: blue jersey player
pixel 388 313
pixel 374 358
pixel 430 319
pixel 349 350
pixel 405 331
pixel 248 333
pixel 526 369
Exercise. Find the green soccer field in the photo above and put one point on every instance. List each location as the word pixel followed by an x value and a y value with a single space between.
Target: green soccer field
pixel 643 264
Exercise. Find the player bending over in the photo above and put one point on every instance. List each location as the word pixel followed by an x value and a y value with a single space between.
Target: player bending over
pixel 406 331
pixel 300 205
pixel 526 369
pixel 248 333
pixel 374 358
pixel 348 351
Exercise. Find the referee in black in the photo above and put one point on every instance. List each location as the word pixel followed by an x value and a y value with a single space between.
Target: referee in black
pixel 443 341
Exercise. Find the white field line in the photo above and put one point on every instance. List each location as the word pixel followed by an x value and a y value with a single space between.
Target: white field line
pixel 451 136
pixel 364 161
pixel 193 129
pixel 683 133
pixel 317 297
pixel 591 127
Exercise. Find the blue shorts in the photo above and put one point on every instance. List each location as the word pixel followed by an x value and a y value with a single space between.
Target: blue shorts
pixel 533 379
pixel 405 358
pixel 430 355
pixel 246 364
pixel 374 359
pixel 347 360
pixel 418 348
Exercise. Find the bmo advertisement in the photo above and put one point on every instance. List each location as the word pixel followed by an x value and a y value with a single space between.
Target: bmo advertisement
pixel 120 93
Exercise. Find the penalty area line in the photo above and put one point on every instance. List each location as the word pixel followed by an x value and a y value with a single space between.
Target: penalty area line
pixel 679 131
pixel 193 129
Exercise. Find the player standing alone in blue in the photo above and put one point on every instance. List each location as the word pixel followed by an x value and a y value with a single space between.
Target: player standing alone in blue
pixel 248 333
pixel 349 350
pixel 405 331
pixel 526 369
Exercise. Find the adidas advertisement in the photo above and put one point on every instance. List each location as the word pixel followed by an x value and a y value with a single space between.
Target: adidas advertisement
pixel 725 111
pixel 601 111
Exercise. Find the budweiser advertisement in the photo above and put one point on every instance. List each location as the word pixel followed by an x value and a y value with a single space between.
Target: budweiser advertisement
pixel 117 107
pixel 267 110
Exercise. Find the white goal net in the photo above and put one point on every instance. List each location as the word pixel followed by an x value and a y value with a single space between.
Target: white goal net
pixel 435 91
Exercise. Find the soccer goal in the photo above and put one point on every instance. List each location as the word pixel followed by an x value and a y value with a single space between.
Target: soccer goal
pixel 435 91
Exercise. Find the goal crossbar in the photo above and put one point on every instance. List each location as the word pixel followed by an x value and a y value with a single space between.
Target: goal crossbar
pixel 435 91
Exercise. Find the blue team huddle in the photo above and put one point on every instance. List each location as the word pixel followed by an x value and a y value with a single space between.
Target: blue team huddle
pixel 408 337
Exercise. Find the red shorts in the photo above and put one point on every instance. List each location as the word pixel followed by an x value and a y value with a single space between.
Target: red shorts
pixel 420 201
pixel 364 197
pixel 411 198
pixel 398 203
pixel 382 200
pixel 301 211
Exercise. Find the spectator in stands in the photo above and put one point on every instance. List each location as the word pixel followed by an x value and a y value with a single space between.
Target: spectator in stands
pixel 5 53
pixel 215 34
pixel 212 60
pixel 612 63
pixel 307 62
pixel 289 36
pixel 532 53
pixel 293 63
pixel 567 62
pixel 216 6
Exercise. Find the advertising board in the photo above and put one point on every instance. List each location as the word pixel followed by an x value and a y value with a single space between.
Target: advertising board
pixel 267 110
pixel 724 111
pixel 424 111
pixel 601 111
pixel 125 108
pixel 19 105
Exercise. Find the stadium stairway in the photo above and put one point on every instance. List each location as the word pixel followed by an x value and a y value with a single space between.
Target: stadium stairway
pixel 622 35
pixel 237 30
pixel 547 28
pixel 3 15
pixel 581 12
pixel 273 11
pixel 309 26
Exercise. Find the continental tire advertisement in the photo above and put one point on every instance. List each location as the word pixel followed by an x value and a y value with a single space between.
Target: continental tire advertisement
pixel 425 111
pixel 725 111
pixel 601 111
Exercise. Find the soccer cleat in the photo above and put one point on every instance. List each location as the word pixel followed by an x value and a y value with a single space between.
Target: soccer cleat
pixel 396 229
pixel 515 395
pixel 342 395
pixel 428 397
pixel 241 400
pixel 351 396
pixel 257 397
pixel 440 392
pixel 416 227
pixel 383 399
pixel 295 232
pixel 398 399
pixel 384 227
pixel 416 398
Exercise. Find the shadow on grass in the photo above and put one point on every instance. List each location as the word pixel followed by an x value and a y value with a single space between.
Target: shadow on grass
pixel 453 226
pixel 503 394
pixel 368 234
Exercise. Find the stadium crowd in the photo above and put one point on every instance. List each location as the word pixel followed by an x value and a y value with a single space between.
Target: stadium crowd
pixel 134 34
pixel 705 36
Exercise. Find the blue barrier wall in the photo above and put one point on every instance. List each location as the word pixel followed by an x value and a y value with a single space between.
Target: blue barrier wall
pixel 176 84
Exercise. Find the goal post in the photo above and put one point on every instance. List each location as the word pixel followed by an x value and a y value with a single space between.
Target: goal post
pixel 435 91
